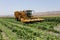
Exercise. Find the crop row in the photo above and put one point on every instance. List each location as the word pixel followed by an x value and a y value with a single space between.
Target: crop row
pixel 9 33
pixel 52 19
pixel 20 33
pixel 29 32
pixel 23 33
pixel 38 25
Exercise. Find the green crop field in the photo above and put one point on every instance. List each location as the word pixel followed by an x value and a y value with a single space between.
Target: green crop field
pixel 10 29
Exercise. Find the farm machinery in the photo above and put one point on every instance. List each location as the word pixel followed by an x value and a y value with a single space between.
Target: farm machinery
pixel 26 16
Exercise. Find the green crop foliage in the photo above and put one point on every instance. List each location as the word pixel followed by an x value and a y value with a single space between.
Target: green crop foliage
pixel 44 30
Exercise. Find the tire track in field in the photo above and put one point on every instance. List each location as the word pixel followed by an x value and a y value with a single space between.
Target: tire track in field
pixel 57 27
pixel 4 36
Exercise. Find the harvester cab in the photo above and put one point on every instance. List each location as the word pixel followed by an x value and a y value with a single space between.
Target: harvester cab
pixel 29 13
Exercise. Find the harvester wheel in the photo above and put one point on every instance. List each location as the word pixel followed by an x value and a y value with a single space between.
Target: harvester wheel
pixel 17 19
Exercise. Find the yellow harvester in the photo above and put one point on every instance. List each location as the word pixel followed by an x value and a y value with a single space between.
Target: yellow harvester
pixel 26 16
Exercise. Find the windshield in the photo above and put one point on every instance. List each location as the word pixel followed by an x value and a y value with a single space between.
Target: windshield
pixel 29 13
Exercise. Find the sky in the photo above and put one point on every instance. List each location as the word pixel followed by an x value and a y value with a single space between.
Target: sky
pixel 8 7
